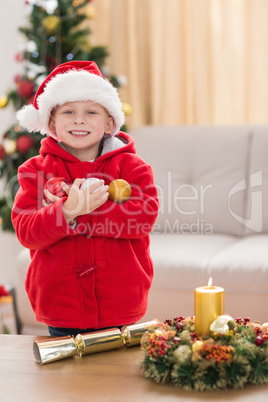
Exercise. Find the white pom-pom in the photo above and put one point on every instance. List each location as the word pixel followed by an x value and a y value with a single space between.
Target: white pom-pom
pixel 28 118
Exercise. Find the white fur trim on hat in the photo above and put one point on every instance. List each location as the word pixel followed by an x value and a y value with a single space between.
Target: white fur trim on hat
pixel 73 85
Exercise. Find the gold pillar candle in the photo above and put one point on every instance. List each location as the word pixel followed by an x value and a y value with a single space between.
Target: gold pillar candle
pixel 53 349
pixel 99 341
pixel 132 334
pixel 209 304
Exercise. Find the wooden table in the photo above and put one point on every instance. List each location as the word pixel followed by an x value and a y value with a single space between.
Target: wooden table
pixel 108 376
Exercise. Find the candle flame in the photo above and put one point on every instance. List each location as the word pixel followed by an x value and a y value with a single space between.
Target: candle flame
pixel 210 282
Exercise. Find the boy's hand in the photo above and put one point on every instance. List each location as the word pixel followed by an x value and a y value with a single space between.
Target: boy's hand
pixel 81 202
pixel 53 198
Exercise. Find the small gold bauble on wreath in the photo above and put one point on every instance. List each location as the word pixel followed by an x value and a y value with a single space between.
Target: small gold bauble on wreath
pixel 234 354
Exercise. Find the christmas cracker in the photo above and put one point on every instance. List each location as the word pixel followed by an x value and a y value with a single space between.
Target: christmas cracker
pixel 54 349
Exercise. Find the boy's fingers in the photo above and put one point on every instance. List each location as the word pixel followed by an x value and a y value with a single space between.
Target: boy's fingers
pixel 96 186
pixel 51 196
pixel 78 182
pixel 101 191
pixel 65 187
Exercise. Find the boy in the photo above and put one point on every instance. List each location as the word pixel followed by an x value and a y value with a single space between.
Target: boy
pixel 91 266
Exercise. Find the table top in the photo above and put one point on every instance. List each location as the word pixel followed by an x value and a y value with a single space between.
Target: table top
pixel 108 376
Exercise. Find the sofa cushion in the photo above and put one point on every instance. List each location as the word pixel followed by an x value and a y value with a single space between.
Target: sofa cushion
pixel 242 265
pixel 196 171
pixel 185 262
pixel 182 261
pixel 257 188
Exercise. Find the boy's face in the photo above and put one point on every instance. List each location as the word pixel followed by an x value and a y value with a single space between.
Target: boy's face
pixel 81 126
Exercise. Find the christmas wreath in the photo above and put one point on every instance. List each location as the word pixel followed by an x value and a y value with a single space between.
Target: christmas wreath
pixel 234 354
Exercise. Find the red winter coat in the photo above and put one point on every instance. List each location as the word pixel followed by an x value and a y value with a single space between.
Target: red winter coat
pixel 98 274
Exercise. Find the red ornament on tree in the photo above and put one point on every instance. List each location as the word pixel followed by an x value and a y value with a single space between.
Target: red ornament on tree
pixel 24 144
pixel 2 152
pixel 18 57
pixel 30 101
pixel 17 79
pixel 26 89
pixel 53 185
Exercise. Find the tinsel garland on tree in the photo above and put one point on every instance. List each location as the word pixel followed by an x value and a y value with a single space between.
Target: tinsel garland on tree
pixel 56 33
pixel 174 354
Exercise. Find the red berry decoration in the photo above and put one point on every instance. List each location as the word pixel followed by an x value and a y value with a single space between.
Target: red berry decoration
pixel 26 89
pixel 179 326
pixel 24 144
pixel 259 341
pixel 53 185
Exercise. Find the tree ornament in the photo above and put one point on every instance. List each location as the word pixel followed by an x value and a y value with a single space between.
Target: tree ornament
pixel 3 101
pixel 17 79
pixel 17 129
pixel 88 182
pixel 10 146
pixel 31 46
pixel 119 191
pixel 90 11
pixel 122 79
pixel 53 185
pixel 51 24
pixel 50 5
pixel 30 101
pixel 24 144
pixel 18 56
pixel 127 109
pixel 85 44
pixel 2 152
pixel 77 3
pixel 26 89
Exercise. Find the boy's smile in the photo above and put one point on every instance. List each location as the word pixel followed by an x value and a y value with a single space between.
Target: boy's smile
pixel 80 126
pixel 84 133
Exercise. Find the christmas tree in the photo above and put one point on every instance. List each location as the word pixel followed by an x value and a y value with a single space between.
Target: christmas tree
pixel 55 33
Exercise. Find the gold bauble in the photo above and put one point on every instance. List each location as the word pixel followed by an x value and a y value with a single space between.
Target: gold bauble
pixel 51 23
pixel 90 11
pixel 127 109
pixel 119 191
pixel 85 45
pixel 197 345
pixel 3 101
pixel 77 3
pixel 10 146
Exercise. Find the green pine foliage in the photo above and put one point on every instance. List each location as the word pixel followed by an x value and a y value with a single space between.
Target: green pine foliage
pixel 52 37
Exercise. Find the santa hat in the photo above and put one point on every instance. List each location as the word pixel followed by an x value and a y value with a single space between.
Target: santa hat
pixel 70 82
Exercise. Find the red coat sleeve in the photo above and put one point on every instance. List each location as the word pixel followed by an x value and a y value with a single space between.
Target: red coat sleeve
pixel 37 227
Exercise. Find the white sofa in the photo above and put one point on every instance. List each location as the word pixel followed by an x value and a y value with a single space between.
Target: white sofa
pixel 213 219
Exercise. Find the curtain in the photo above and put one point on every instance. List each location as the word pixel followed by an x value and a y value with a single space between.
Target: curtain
pixel 188 61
